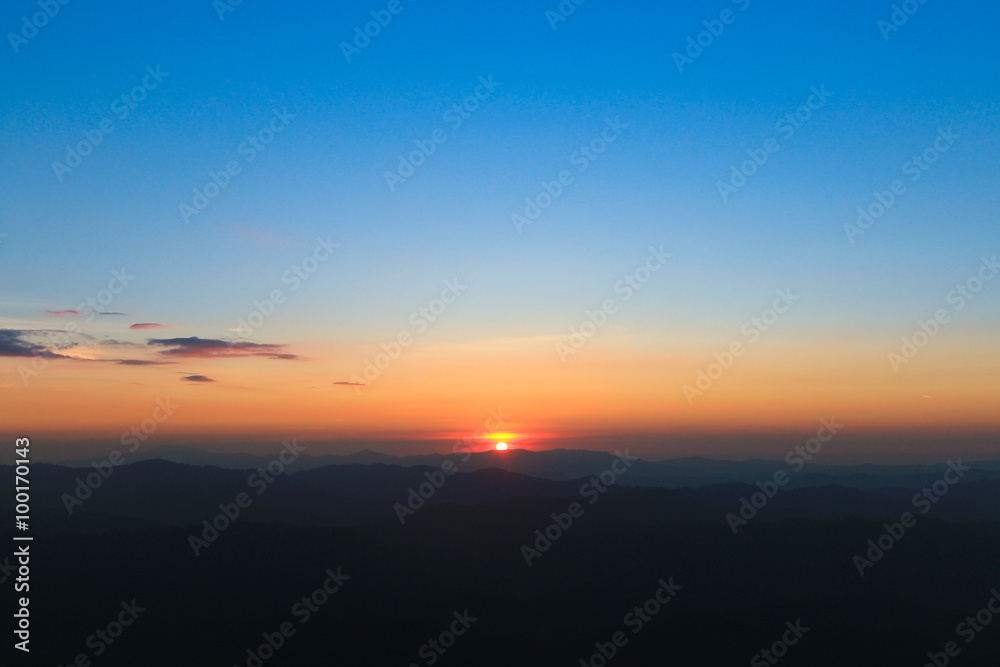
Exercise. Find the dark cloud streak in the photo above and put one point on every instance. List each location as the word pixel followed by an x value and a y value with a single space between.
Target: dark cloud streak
pixel 211 348
pixel 14 344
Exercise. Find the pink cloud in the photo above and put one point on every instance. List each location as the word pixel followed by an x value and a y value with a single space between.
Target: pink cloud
pixel 258 237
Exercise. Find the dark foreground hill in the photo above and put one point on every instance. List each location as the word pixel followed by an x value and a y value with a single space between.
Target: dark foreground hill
pixel 547 582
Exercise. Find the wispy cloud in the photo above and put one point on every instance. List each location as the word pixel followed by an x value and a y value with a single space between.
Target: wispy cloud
pixel 141 362
pixel 147 325
pixel 78 313
pixel 258 237
pixel 18 343
pixel 197 378
pixel 211 348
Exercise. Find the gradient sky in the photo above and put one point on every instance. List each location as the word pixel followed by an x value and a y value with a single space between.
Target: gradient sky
pixel 495 346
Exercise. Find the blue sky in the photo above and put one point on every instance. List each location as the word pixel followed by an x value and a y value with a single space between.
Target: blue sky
pixel 656 184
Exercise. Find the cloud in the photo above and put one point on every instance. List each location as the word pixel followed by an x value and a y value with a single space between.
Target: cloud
pixel 351 384
pixel 198 378
pixel 18 343
pixel 141 362
pixel 148 325
pixel 13 344
pixel 114 342
pixel 258 237
pixel 211 348
pixel 79 313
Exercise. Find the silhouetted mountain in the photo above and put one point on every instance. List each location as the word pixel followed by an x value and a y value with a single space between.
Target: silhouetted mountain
pixel 566 464
pixel 407 582
pixel 548 572
pixel 178 494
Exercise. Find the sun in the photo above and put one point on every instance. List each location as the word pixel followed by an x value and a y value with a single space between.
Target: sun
pixel 501 446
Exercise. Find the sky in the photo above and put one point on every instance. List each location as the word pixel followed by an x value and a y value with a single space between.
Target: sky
pixel 624 222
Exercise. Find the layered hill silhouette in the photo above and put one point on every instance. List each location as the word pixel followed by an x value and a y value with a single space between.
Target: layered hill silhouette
pixel 568 464
pixel 546 584
pixel 350 494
